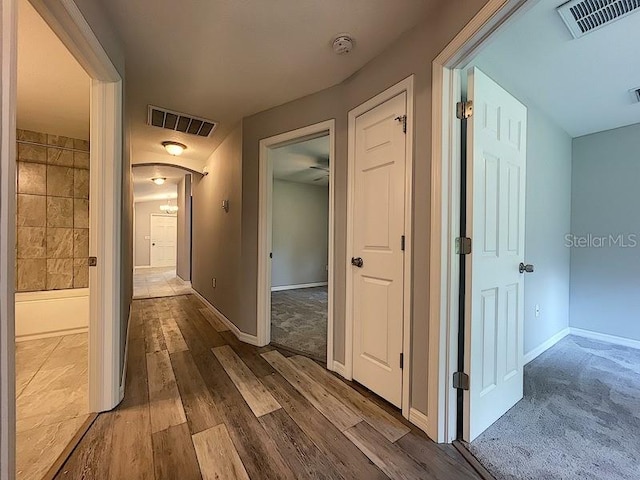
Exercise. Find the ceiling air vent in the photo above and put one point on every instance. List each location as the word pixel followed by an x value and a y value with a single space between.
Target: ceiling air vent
pixel 584 16
pixel 180 122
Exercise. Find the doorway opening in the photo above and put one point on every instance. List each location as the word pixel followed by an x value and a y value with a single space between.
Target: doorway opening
pixel 161 231
pixel 537 351
pixel 295 304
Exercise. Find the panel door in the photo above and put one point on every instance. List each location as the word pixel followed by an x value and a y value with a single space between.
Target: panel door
pixel 164 234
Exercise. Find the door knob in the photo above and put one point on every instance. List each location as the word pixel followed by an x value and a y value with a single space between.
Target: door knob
pixel 528 268
pixel 357 262
pixel 153 244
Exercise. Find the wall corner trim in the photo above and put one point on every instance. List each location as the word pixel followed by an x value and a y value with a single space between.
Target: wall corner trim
pixel 543 347
pixel 419 419
pixel 240 335
pixel 340 369
pixel 123 377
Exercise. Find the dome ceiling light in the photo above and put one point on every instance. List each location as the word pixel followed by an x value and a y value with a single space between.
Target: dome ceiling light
pixel 174 148
pixel 158 180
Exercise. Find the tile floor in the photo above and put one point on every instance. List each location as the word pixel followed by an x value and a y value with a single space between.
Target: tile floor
pixel 51 400
pixel 158 282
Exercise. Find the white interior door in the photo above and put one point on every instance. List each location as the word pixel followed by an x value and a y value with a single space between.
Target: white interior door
pixel 164 235
pixel 378 226
pixel 496 162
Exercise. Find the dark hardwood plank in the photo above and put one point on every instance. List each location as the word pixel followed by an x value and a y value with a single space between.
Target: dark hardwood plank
pixel 165 404
pixel 174 456
pixel 480 469
pixel 154 338
pixel 350 462
pixel 209 334
pixel 300 453
pixel 250 355
pixel 218 458
pixel 198 403
pixel 73 443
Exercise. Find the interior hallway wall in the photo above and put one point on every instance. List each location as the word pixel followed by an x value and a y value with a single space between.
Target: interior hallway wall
pixel 300 219
pixel 217 235
pixel 183 259
pixel 604 274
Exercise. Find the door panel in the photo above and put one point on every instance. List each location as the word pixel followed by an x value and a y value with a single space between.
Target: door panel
pixel 378 224
pixel 164 233
pixel 496 163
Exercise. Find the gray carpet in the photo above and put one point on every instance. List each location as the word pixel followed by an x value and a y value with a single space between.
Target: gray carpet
pixel 299 320
pixel 579 419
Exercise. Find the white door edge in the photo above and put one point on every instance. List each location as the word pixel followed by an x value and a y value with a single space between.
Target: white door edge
pixel 265 224
pixel 405 85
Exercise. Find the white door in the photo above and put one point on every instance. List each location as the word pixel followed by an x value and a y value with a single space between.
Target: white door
pixel 496 162
pixel 164 234
pixel 378 226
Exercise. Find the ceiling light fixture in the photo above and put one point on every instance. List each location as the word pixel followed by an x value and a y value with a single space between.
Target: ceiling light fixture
pixel 174 148
pixel 158 180
pixel 168 208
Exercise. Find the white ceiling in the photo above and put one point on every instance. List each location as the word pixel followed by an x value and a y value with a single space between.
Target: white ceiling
pixel 144 190
pixel 582 84
pixel 53 89
pixel 304 162
pixel 226 59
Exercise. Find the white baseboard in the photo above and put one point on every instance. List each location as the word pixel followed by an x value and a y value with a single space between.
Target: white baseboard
pixel 340 369
pixel 142 267
pixel 540 349
pixel 300 285
pixel 123 378
pixel 419 419
pixel 51 313
pixel 603 337
pixel 240 335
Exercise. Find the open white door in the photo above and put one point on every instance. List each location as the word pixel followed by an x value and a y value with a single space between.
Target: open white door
pixel 496 169
pixel 164 237
pixel 378 263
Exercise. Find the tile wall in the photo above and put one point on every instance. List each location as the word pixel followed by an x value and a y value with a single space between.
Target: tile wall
pixel 52 222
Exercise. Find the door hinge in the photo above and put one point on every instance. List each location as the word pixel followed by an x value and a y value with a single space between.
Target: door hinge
pixel 463 246
pixel 403 119
pixel 402 360
pixel 461 381
pixel 402 243
pixel 464 109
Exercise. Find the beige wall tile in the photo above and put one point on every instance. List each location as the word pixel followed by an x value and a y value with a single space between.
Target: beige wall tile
pixel 59 212
pixel 57 156
pixel 59 242
pixel 32 153
pixel 31 274
pixel 80 242
pixel 30 136
pixel 32 178
pixel 32 210
pixel 79 144
pixel 80 272
pixel 81 160
pixel 60 141
pixel 80 183
pixel 59 181
pixel 31 242
pixel 80 213
pixel 59 273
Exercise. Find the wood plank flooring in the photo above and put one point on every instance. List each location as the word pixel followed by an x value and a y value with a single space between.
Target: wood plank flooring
pixel 199 404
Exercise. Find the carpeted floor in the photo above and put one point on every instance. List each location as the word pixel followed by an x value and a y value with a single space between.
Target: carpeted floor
pixel 299 320
pixel 579 419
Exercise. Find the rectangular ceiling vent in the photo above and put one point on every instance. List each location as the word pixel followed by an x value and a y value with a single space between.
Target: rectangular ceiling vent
pixel 180 122
pixel 584 16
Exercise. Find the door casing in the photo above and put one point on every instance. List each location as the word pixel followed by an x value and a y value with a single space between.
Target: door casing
pixel 405 85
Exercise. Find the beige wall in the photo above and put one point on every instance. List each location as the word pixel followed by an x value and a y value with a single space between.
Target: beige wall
pixel 217 234
pixel 183 259
pixel 142 229
pixel 300 229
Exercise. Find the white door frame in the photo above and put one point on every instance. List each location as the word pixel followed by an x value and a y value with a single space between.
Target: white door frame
pixel 151 215
pixel 445 212
pixel 405 85
pixel 66 20
pixel 265 225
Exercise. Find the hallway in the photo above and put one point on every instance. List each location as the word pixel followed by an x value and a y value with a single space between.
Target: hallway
pixel 158 282
pixel 200 404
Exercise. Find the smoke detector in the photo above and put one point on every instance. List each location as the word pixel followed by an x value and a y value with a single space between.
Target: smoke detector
pixel 342 44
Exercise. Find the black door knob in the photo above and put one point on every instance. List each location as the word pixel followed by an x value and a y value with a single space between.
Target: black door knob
pixel 357 262
pixel 528 268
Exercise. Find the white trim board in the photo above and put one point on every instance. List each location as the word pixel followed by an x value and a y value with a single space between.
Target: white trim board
pixel 405 85
pixel 604 337
pixel 299 286
pixel 419 419
pixel 263 314
pixel 240 335
pixel 544 346
pixel 123 375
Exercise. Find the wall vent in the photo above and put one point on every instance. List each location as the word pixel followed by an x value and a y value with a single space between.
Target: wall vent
pixel 180 122
pixel 584 16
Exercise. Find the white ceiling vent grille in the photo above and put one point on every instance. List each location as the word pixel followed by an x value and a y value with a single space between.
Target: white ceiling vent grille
pixel 584 16
pixel 180 122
